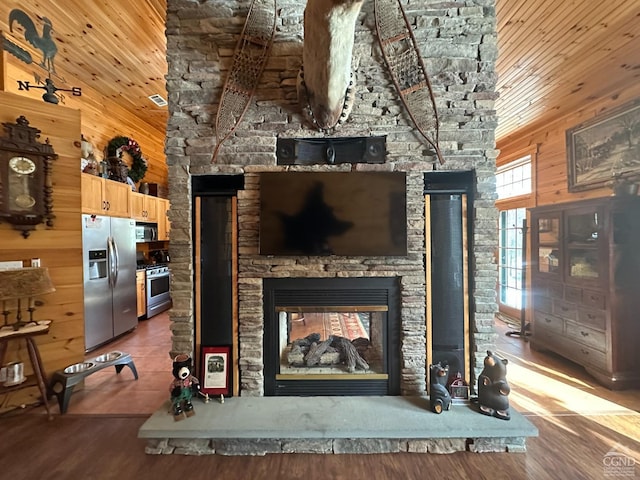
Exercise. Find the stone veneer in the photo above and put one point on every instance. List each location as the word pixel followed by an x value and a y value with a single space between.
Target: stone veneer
pixel 459 46
pixel 250 447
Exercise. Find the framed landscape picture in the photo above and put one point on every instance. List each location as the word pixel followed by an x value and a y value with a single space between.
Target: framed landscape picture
pixel 215 370
pixel 604 147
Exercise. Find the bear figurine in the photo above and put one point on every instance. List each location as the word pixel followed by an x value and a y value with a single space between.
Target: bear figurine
pixel 493 389
pixel 439 396
pixel 183 387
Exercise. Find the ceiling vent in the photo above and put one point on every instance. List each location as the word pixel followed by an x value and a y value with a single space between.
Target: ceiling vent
pixel 158 100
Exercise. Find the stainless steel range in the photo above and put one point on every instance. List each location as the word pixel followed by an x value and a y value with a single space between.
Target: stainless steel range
pixel 158 297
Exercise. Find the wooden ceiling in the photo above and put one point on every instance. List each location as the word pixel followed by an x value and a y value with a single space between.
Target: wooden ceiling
pixel 114 47
pixel 555 56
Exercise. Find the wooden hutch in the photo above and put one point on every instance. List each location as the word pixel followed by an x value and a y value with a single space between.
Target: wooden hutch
pixel 586 285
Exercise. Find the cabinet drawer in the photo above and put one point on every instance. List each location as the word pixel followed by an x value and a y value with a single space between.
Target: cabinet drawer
pixel 554 289
pixel 545 336
pixel 593 318
pixel 588 336
pixel 565 309
pixel 548 322
pixel 594 299
pixel 584 355
pixel 542 304
pixel 573 294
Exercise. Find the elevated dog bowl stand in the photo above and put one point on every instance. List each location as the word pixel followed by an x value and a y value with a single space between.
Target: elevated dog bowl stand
pixel 63 381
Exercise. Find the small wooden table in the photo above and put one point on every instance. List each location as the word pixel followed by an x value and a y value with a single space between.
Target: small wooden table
pixel 27 333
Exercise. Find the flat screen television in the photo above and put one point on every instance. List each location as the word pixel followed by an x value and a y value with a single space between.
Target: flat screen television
pixel 333 213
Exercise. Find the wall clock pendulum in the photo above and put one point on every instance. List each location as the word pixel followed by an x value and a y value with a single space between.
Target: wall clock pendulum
pixel 25 177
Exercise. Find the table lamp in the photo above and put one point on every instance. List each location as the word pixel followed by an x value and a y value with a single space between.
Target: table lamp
pixel 21 283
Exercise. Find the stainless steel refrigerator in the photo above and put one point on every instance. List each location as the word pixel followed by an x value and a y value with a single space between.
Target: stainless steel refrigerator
pixel 109 265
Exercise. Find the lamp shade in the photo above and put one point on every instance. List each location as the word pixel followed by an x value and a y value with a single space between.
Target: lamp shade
pixel 25 282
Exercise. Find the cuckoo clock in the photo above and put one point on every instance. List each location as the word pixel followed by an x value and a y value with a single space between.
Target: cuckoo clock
pixel 25 177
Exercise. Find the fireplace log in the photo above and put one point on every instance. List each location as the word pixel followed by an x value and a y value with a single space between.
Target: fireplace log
pixel 350 354
pixel 316 351
pixel 362 345
pixel 306 342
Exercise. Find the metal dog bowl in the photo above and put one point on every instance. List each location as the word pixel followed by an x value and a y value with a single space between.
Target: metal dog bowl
pixel 78 367
pixel 108 357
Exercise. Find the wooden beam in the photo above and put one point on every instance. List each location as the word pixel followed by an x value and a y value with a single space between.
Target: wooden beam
pixel 428 283
pixel 235 347
pixel 197 322
pixel 3 65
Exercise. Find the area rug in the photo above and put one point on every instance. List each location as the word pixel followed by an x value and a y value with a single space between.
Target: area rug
pixel 347 325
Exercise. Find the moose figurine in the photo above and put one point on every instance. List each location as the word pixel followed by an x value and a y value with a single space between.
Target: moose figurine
pixel 493 389
pixel 183 387
pixel 439 396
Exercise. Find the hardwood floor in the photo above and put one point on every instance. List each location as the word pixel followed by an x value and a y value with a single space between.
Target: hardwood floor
pixel 579 423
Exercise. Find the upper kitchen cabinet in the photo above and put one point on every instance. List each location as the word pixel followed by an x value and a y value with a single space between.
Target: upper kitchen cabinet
pixel 144 208
pixel 164 226
pixel 104 197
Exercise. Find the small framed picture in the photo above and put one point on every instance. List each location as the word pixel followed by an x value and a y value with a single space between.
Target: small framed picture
pixel 215 370
pixel 460 392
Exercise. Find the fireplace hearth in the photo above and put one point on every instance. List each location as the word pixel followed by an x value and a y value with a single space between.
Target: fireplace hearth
pixel 331 336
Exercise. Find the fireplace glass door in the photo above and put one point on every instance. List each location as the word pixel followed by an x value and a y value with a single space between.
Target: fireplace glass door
pixel 331 336
pixel 332 342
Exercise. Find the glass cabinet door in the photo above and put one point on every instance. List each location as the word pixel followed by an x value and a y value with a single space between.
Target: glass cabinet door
pixel 583 255
pixel 547 230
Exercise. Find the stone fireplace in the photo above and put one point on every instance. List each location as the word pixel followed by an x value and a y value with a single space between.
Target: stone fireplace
pixel 458 42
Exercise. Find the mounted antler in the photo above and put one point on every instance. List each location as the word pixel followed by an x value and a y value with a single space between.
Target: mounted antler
pixel 325 81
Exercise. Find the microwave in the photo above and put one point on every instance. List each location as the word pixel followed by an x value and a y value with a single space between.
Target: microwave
pixel 146 232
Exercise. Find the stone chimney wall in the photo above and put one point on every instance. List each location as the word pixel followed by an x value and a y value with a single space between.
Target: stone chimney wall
pixel 459 47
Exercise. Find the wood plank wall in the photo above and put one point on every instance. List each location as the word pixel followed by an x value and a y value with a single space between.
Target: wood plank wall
pixel 101 119
pixel 551 164
pixel 59 248
pixel 550 175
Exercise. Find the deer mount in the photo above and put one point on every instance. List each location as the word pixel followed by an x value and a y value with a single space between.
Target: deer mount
pixel 326 84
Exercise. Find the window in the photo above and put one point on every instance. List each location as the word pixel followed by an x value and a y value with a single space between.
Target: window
pixel 514 186
pixel 514 178
pixel 510 257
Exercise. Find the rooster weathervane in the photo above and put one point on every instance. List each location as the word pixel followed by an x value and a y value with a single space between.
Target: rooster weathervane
pixel 46 45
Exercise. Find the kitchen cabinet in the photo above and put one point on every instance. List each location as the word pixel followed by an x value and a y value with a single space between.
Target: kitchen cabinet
pixel 100 196
pixel 144 208
pixel 164 226
pixel 585 289
pixel 141 292
pixel 106 197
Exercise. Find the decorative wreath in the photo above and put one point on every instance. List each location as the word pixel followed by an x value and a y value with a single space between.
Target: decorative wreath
pixel 120 144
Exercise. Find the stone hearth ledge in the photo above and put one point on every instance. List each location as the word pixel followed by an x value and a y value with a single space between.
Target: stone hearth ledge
pixel 326 425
